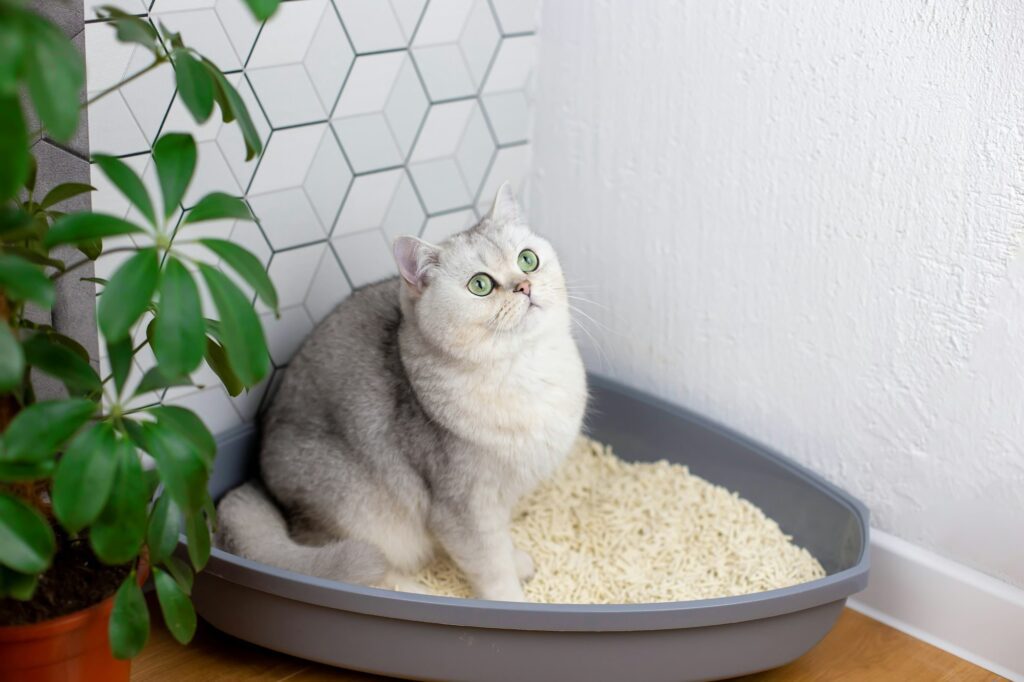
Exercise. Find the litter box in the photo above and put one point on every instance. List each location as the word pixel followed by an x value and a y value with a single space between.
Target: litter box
pixel 443 638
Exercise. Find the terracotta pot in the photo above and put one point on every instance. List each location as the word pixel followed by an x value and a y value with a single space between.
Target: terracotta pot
pixel 65 649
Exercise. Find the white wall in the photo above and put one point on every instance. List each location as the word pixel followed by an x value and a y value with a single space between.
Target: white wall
pixel 805 221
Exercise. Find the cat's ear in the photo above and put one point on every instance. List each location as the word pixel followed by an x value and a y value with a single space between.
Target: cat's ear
pixel 415 258
pixel 505 208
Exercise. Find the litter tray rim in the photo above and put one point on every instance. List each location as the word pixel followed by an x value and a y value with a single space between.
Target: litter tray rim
pixel 480 613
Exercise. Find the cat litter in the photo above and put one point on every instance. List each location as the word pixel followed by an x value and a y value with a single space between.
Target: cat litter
pixel 605 531
pixel 714 589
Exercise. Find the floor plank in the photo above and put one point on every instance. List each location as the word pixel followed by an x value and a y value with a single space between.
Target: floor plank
pixel 858 648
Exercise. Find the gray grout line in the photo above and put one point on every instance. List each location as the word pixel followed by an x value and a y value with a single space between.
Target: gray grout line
pixel 341 266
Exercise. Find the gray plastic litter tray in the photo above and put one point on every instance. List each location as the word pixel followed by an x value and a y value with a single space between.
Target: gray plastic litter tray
pixel 440 638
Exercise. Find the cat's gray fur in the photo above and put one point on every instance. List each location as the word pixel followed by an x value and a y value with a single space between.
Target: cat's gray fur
pixel 416 415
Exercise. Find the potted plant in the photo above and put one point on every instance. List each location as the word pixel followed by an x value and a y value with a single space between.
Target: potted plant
pixel 82 520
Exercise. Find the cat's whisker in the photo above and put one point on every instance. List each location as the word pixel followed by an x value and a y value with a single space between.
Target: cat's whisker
pixel 604 356
pixel 581 299
pixel 601 325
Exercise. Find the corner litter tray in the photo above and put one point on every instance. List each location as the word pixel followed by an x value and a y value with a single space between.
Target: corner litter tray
pixel 441 638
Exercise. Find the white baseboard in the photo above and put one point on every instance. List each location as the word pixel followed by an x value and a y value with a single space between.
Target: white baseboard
pixel 947 604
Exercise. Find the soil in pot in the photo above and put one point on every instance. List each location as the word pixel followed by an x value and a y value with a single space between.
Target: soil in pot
pixel 76 580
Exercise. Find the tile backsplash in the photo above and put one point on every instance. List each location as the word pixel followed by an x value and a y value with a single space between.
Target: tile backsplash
pixel 379 118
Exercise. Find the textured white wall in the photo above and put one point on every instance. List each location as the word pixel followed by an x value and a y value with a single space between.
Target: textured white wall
pixel 806 222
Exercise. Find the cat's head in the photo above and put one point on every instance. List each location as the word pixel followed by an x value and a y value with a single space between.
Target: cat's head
pixel 487 290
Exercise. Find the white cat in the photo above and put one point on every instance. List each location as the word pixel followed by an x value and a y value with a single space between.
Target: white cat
pixel 417 414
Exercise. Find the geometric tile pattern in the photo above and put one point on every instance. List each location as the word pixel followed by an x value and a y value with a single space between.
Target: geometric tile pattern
pixel 378 118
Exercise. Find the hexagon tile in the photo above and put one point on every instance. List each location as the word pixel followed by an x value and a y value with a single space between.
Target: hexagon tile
pixel 378 117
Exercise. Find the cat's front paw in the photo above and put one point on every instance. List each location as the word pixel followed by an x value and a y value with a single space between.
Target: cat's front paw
pixel 524 565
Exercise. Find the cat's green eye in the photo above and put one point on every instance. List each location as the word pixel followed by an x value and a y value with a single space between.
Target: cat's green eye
pixel 480 284
pixel 528 260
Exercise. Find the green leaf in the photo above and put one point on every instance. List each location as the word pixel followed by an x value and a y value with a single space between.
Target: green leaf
pixel 217 359
pixel 198 534
pixel 20 586
pixel 41 428
pixel 262 9
pixel 154 379
pixel 181 467
pixel 91 249
pixel 85 477
pixel 218 206
pixel 35 254
pixel 83 228
pixel 182 573
pixel 27 471
pixel 120 354
pixel 175 158
pixel 164 526
pixel 194 85
pixel 128 627
pixel 55 76
pixel 247 266
pixel 13 146
pixel 189 426
pixel 128 294
pixel 26 540
pixel 172 37
pixel 95 280
pixel 23 281
pixel 33 173
pixel 232 107
pixel 12 52
pixel 180 334
pixel 125 179
pixel 62 363
pixel 69 343
pixel 117 535
pixel 131 29
pixel 179 615
pixel 15 224
pixel 63 192
pixel 241 331
pixel 12 359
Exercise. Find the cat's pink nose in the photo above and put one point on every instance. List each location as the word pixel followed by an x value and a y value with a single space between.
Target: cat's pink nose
pixel 523 287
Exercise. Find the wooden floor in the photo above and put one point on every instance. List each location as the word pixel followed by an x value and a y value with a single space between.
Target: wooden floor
pixel 857 649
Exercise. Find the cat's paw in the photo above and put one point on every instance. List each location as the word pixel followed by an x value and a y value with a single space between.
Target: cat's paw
pixel 524 565
pixel 505 592
pixel 404 583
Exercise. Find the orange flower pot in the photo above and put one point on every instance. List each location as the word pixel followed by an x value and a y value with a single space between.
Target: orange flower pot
pixel 70 648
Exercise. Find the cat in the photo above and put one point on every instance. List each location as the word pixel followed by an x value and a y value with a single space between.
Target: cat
pixel 417 414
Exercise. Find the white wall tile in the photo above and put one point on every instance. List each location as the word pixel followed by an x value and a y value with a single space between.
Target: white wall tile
pixel 287 217
pixel 368 202
pixel 202 30
pixel 517 16
pixel 286 333
pixel 372 25
pixel 408 13
pixel 439 228
pixel 287 158
pixel 366 256
pixel 286 37
pixel 328 288
pixel 288 95
pixel 292 272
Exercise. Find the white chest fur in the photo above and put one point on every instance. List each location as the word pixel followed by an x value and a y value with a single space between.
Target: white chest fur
pixel 521 414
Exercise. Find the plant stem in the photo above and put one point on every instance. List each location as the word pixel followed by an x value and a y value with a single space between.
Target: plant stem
pixel 77 264
pixel 134 351
pixel 156 62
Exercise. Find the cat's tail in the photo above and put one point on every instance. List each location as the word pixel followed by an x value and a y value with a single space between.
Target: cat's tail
pixel 250 525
